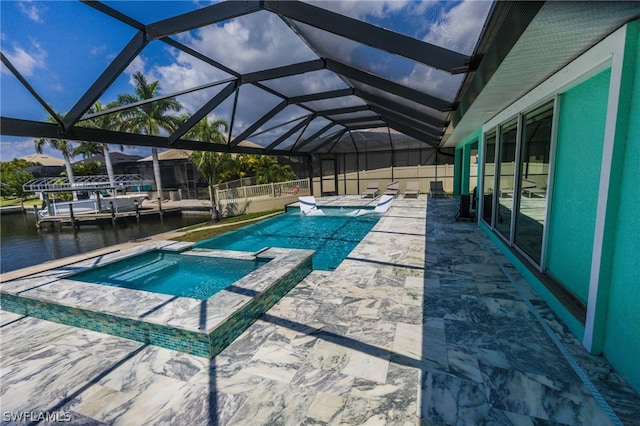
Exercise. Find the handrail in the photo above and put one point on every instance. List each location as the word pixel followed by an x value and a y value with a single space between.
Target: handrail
pixel 267 190
pixel 85 183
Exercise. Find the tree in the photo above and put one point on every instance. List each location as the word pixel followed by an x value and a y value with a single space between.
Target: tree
pixel 149 118
pixel 208 131
pixel 64 147
pixel 12 177
pixel 268 170
pixel 107 122
pixel 86 168
pixel 87 149
pixel 212 165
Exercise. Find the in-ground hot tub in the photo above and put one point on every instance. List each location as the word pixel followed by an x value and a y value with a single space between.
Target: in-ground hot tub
pixel 200 327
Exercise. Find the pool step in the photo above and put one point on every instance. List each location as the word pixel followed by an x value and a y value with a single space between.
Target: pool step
pixel 144 270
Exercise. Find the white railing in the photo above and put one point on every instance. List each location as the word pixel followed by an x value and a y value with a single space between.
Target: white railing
pixel 245 181
pixel 292 188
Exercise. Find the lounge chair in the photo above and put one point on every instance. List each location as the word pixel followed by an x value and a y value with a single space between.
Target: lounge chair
pixel 373 189
pixel 383 205
pixel 309 207
pixel 392 189
pixel 291 191
pixel 436 188
pixel 412 189
pixel 464 211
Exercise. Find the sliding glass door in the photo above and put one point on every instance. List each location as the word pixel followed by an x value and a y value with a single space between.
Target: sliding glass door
pixel 506 178
pixel 534 176
pixel 489 176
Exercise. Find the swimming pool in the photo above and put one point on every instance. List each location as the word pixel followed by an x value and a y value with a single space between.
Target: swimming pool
pixel 177 274
pixel 333 236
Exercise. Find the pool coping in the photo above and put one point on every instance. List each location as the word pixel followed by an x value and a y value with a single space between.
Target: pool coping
pixel 198 327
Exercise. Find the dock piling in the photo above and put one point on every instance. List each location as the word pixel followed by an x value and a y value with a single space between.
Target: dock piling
pixel 113 213
pixel 74 222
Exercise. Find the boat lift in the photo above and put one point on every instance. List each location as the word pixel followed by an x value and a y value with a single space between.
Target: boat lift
pixel 94 185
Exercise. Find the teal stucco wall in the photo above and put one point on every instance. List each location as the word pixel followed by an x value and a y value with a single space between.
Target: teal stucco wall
pixel 622 324
pixel 579 147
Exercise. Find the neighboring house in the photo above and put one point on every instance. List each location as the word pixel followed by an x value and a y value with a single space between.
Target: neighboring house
pixel 177 171
pixel 557 130
pixel 46 166
pixel 119 160
pixel 122 163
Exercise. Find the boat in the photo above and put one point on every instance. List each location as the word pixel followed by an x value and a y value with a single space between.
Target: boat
pixel 95 194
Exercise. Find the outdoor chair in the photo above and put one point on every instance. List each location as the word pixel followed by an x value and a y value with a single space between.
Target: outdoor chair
pixel 291 191
pixel 373 189
pixel 412 190
pixel 436 189
pixel 309 207
pixel 383 205
pixel 392 189
pixel 464 210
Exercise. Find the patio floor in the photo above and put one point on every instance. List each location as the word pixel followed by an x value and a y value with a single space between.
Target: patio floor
pixel 414 327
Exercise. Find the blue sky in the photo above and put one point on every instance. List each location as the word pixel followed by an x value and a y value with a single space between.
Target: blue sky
pixel 61 47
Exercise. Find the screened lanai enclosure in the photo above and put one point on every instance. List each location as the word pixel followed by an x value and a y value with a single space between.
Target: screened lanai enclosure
pixel 334 88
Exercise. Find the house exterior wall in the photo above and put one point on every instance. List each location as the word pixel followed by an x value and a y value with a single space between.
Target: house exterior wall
pixel 621 325
pixel 591 245
pixel 582 115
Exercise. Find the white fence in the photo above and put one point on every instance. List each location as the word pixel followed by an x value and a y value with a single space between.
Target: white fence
pixel 260 198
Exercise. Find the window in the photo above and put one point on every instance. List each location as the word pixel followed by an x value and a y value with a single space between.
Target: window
pixel 489 176
pixel 534 175
pixel 516 178
pixel 506 178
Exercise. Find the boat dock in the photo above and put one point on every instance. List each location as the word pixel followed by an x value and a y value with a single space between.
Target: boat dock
pixel 97 218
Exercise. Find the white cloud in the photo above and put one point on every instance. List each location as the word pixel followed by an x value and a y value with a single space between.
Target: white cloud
pixel 32 11
pixel 459 28
pixel 15 147
pixel 137 65
pixel 26 62
pixel 250 43
pixel 362 9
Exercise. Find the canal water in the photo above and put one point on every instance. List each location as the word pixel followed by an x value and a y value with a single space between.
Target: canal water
pixel 22 244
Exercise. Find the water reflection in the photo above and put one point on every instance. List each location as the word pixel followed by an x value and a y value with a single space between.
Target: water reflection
pixel 506 172
pixel 22 244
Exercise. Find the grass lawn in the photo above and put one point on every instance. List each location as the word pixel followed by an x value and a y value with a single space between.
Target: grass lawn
pixel 211 229
pixel 12 201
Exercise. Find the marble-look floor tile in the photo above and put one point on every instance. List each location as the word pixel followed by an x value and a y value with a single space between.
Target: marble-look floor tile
pixel 273 403
pixel 542 397
pixel 326 408
pixel 449 399
pixel 330 382
pixel 374 403
pixel 420 326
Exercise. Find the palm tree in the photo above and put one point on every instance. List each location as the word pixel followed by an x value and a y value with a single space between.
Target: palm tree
pixel 268 170
pixel 208 131
pixel 149 118
pixel 107 122
pixel 211 165
pixel 87 149
pixel 64 147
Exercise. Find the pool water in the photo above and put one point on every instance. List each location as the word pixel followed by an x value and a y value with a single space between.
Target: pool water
pixel 333 236
pixel 176 274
